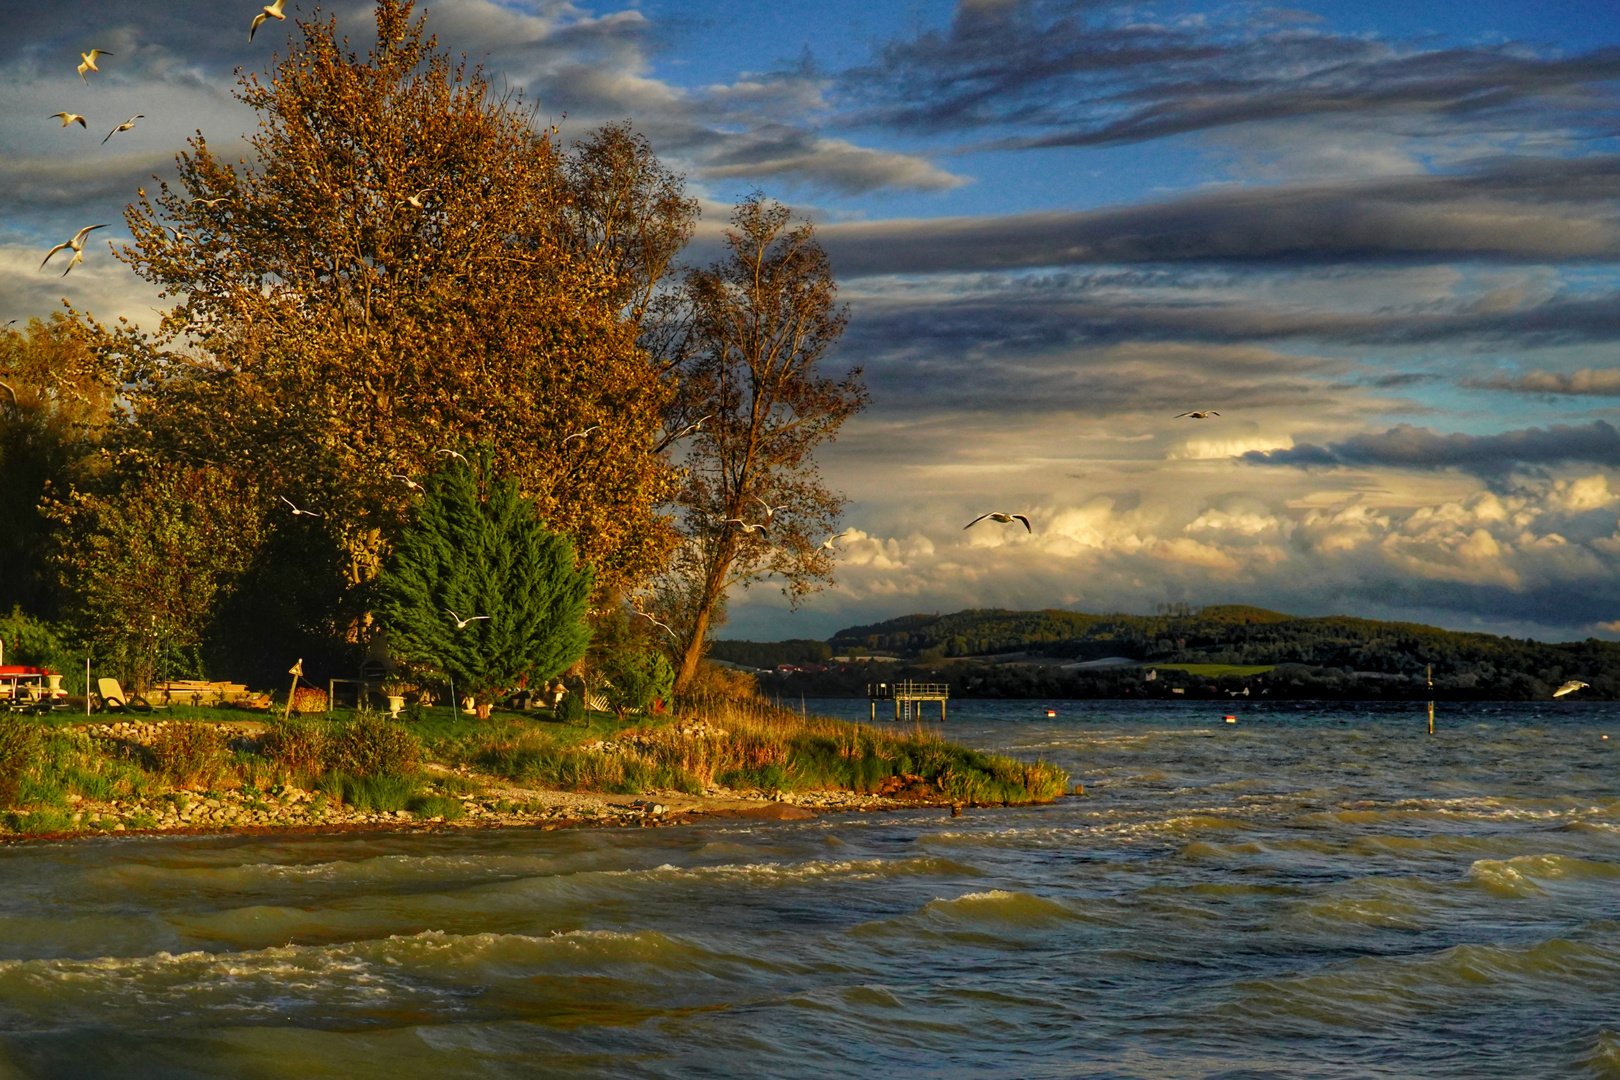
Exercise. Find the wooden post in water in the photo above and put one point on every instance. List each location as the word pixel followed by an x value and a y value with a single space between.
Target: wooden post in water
pixel 1431 698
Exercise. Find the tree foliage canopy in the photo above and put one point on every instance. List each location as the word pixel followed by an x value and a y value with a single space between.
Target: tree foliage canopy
pixel 476 553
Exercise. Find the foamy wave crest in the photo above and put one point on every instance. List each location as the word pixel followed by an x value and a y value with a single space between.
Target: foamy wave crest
pixel 378 981
pixel 1521 876
pixel 770 873
pixel 998 906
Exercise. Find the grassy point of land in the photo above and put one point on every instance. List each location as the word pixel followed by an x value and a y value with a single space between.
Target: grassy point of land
pixel 217 768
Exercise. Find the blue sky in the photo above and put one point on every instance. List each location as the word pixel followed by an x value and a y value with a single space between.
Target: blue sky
pixel 1379 239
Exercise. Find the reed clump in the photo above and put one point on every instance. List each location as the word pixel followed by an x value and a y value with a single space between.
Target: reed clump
pixel 746 743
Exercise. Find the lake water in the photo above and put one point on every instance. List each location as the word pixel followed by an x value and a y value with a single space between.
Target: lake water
pixel 1314 891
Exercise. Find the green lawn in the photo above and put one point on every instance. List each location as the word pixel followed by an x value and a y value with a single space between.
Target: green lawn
pixel 1215 671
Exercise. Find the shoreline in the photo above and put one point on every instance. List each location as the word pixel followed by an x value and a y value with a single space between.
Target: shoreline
pixel 605 812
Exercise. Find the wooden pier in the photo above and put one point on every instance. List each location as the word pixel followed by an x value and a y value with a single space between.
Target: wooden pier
pixel 908 697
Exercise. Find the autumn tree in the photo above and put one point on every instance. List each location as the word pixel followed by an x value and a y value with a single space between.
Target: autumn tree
pixel 405 263
pixel 761 322
pixel 56 399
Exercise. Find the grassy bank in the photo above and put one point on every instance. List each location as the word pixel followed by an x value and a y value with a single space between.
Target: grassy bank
pixel 194 766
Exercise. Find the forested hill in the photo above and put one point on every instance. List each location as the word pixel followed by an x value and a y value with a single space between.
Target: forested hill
pixel 1335 656
pixel 1232 634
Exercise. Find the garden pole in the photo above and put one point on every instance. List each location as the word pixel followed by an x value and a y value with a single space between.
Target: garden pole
pixel 87 685
pixel 295 671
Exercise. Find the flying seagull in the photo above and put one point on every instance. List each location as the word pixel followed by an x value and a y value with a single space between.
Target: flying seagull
pixel 407 481
pixel 415 201
pixel 582 434
pixel 297 510
pixel 770 511
pixel 696 425
pixel 1003 518
pixel 269 11
pixel 747 526
pixel 69 118
pixel 1570 687
pixel 654 621
pixel 453 454
pixel 461 623
pixel 125 126
pixel 211 203
pixel 89 62
pixel 828 543
pixel 179 236
pixel 1196 415
pixel 76 245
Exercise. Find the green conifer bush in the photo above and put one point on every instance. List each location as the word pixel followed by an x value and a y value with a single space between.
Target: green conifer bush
pixel 477 548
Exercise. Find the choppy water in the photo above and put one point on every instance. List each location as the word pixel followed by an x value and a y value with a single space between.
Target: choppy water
pixel 1315 891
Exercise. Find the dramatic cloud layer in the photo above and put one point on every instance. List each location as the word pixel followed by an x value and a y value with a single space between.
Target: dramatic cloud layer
pixel 1387 257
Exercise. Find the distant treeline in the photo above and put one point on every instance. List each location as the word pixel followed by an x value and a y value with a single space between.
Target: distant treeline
pixel 1331 657
pixel 768 654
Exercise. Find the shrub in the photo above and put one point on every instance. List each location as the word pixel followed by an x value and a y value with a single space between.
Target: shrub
pixel 371 793
pixel 19 752
pixel 571 709
pixel 436 806
pixel 190 754
pixel 372 746
pixel 298 745
pixel 637 678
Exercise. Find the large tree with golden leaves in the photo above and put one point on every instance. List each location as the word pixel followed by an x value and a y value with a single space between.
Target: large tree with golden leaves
pixel 399 271
pixel 405 267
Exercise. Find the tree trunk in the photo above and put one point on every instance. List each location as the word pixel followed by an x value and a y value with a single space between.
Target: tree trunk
pixel 713 586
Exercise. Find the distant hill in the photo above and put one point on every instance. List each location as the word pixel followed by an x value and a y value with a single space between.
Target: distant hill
pixel 1336 652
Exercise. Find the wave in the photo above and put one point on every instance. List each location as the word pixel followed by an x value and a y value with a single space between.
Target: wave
pixel 1525 875
pixel 401 978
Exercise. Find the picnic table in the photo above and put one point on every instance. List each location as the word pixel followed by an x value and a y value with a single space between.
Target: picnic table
pixel 30 689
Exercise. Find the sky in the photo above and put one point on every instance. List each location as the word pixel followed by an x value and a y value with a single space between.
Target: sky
pixel 1380 240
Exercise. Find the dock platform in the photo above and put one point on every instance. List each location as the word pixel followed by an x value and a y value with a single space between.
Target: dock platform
pixel 908 697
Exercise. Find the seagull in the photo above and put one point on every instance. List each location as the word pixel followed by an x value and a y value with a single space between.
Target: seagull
pixel 690 428
pixel 296 510
pixel 582 434
pixel 125 126
pixel 179 236
pixel 746 526
pixel 453 454
pixel 76 245
pixel 1196 415
pixel 407 481
pixel 89 62
pixel 461 623
pixel 1569 688
pixel 415 201
pixel 211 203
pixel 654 621
pixel 69 118
pixel 827 544
pixel 269 11
pixel 1003 518
pixel 770 511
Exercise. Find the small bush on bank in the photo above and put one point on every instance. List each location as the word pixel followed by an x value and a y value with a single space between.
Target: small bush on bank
pixel 372 746
pixel 436 806
pixel 297 745
pixel 190 754
pixel 19 752
pixel 370 794
pixel 571 709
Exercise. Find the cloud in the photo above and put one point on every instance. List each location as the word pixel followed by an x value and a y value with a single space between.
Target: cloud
pixel 1048 73
pixel 1409 447
pixel 1537 210
pixel 1595 382
pixel 801 158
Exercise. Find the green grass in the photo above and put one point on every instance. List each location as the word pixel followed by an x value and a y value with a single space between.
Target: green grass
pixel 1215 671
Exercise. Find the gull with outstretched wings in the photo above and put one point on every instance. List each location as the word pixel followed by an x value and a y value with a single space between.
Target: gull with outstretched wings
pixel 1205 415
pixel 69 118
pixel 297 510
pixel 76 245
pixel 461 624
pixel 269 11
pixel 127 125
pixel 1005 519
pixel 1570 687
pixel 87 62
